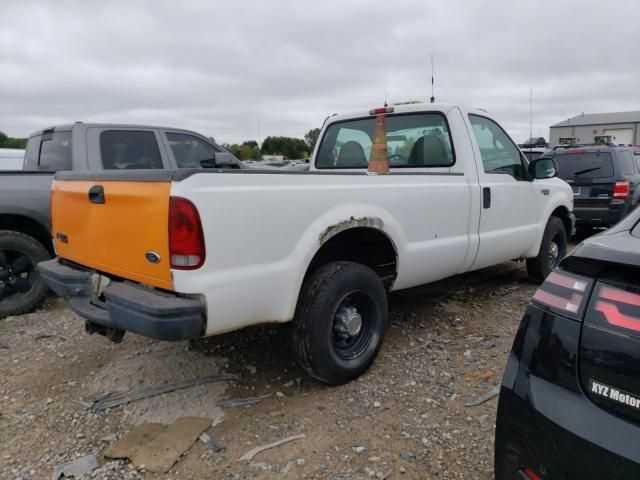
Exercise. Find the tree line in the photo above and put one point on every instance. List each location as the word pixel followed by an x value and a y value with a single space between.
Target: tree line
pixel 289 147
pixel 10 142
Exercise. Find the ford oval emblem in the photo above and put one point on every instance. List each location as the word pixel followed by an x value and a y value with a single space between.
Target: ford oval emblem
pixel 152 256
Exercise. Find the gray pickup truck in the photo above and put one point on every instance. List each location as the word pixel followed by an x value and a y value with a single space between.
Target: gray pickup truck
pixel 25 194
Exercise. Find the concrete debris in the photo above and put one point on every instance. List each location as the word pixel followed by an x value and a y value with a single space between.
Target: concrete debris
pixel 109 438
pixel 111 401
pixel 4 345
pixel 156 446
pixel 255 451
pixel 407 455
pixel 214 446
pixel 239 402
pixel 77 468
pixel 484 397
pixel 287 467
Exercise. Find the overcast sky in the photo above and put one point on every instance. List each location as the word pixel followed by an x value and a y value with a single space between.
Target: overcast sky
pixel 243 70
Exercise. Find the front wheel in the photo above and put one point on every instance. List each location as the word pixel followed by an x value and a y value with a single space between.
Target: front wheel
pixel 340 322
pixel 553 248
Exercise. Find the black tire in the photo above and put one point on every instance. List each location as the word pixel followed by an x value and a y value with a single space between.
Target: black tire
pixel 553 248
pixel 14 245
pixel 325 341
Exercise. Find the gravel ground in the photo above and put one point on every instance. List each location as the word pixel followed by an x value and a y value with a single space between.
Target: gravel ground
pixel 406 418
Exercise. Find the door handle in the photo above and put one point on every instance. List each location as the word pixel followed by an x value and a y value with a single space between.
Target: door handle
pixel 486 197
pixel 96 194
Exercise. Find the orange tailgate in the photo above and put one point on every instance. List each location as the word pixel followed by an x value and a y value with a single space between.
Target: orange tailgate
pixel 116 227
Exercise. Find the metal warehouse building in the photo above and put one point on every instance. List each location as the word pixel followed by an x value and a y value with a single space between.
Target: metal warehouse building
pixel 624 128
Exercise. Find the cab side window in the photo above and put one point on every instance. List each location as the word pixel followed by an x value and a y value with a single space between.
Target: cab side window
pixel 190 151
pixel 129 149
pixel 499 154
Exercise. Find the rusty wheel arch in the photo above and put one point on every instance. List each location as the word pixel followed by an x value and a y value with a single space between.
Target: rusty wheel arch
pixel 361 240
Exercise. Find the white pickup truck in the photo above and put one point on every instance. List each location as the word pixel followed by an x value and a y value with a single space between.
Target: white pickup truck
pixel 395 197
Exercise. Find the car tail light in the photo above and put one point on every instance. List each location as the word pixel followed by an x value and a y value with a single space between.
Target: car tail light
pixel 620 308
pixel 186 240
pixel 622 189
pixel 528 474
pixel 377 111
pixel 564 292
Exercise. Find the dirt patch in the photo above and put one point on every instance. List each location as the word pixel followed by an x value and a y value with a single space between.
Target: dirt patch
pixel 406 418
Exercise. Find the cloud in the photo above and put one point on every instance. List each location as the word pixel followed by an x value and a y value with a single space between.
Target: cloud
pixel 239 70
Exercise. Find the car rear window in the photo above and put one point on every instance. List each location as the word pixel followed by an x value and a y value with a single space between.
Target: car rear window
pixel 584 165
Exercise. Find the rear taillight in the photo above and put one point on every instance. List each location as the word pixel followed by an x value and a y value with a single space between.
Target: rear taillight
pixel 564 292
pixel 186 239
pixel 622 189
pixel 620 308
pixel 528 474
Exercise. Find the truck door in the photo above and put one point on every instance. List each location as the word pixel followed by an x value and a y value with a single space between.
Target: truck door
pixel 510 202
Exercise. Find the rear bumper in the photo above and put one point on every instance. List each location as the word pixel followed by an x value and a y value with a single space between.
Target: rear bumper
pixel 545 422
pixel 600 216
pixel 125 306
pixel 527 438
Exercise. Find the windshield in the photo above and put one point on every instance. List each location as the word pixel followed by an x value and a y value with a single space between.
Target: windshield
pixel 584 165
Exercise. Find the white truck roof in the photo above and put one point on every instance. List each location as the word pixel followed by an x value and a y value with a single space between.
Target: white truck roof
pixel 404 108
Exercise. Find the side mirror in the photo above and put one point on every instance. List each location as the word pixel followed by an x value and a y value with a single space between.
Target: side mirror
pixel 541 168
pixel 226 160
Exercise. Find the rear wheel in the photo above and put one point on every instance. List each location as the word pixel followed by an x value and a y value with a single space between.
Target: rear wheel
pixel 21 287
pixel 340 322
pixel 553 248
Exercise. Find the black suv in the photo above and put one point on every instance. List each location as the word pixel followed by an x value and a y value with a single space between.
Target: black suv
pixel 605 181
pixel 569 403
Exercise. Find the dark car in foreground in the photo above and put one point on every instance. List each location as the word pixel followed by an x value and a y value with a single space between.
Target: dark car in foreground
pixel 605 182
pixel 569 404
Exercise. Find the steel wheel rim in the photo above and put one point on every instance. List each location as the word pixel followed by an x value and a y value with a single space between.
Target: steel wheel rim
pixel 554 252
pixel 352 324
pixel 17 275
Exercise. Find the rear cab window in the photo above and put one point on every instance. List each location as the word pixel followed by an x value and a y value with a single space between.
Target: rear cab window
pixel 129 150
pixel 582 164
pixel 190 151
pixel 413 141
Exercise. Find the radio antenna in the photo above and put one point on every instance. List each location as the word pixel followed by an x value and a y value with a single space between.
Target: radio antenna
pixel 433 98
pixel 530 120
pixel 386 96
